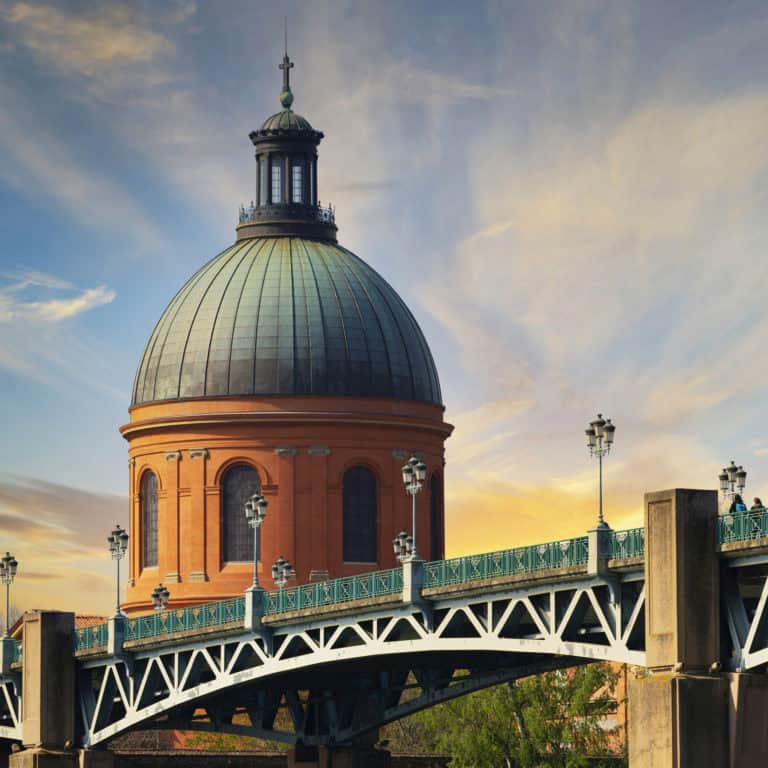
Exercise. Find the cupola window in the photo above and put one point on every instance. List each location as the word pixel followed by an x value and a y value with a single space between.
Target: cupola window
pixel 148 512
pixel 277 180
pixel 239 483
pixel 360 515
pixel 297 182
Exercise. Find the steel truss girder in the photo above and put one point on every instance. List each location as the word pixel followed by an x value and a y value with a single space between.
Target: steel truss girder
pixel 294 668
pixel 10 707
pixel 744 607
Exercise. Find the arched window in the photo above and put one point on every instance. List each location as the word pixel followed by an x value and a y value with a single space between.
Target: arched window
pixel 148 511
pixel 263 169
pixel 360 518
pixel 239 483
pixel 435 517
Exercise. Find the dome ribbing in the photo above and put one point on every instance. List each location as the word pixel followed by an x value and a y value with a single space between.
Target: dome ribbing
pixel 286 316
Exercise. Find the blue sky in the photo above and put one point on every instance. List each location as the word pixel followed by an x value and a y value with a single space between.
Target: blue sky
pixel 571 196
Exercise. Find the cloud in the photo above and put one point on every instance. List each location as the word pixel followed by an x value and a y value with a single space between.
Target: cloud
pixel 58 534
pixel 60 309
pixel 110 35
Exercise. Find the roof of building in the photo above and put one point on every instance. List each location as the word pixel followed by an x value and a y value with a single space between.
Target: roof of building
pixel 286 316
pixel 286 120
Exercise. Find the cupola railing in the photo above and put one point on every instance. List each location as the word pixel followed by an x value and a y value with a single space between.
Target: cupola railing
pixel 254 214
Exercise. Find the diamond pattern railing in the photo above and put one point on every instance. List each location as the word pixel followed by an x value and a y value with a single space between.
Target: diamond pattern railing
pixel 506 562
pixel 334 591
pixel 90 638
pixel 202 616
pixel 623 545
pixel 742 526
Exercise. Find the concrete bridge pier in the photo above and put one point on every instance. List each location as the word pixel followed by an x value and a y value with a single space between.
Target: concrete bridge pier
pixel 684 712
pixel 48 703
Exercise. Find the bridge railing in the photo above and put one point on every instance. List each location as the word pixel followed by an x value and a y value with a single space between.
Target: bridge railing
pixel 202 616
pixel 742 526
pixel 626 544
pixel 506 562
pixel 90 638
pixel 334 591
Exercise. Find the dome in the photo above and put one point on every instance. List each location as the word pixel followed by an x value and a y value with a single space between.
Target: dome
pixel 286 120
pixel 286 316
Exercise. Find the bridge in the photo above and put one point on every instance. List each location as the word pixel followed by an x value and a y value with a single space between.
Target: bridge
pixel 682 599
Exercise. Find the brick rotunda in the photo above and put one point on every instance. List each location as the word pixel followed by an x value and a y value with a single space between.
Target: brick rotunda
pixel 284 366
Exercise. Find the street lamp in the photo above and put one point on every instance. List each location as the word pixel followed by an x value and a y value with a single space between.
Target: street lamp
pixel 600 433
pixel 414 473
pixel 8 567
pixel 255 512
pixel 118 546
pixel 403 546
pixel 282 571
pixel 160 595
pixel 733 479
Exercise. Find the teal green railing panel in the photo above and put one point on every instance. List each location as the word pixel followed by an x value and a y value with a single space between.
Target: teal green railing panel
pixel 506 562
pixel 186 619
pixel 334 591
pixel 88 638
pixel 742 526
pixel 625 544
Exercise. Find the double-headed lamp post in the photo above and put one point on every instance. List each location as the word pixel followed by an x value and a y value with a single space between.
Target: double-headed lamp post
pixel 414 474
pixel 403 546
pixel 160 595
pixel 255 512
pixel 8 567
pixel 733 480
pixel 282 571
pixel 118 546
pixel 600 434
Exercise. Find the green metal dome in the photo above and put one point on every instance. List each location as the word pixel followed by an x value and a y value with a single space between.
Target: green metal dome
pixel 286 120
pixel 286 316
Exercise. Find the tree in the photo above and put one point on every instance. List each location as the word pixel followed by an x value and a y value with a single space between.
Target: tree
pixel 548 720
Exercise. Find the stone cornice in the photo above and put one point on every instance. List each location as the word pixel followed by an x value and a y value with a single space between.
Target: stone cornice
pixel 287 417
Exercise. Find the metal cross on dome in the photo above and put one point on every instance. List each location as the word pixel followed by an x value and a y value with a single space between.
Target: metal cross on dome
pixel 287 64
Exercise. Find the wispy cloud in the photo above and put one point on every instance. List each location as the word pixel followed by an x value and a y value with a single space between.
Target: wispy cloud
pixel 57 533
pixel 109 35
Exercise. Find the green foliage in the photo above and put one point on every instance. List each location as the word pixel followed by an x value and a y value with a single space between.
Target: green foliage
pixel 548 720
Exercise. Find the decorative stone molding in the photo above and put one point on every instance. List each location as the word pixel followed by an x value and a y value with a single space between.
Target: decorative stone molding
pixel 198 453
pixel 172 455
pixel 197 576
pixel 400 454
pixel 319 450
pixel 287 450
pixel 172 578
pixel 131 462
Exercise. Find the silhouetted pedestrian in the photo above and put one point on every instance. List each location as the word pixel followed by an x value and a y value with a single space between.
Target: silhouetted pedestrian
pixel 737 505
pixel 756 503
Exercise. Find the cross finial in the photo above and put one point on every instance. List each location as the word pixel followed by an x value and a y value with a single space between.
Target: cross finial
pixel 286 97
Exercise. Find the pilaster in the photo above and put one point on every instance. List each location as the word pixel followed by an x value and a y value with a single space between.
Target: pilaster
pixel 196 536
pixel 286 472
pixel 169 528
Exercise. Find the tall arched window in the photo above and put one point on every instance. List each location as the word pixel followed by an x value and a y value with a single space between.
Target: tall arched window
pixel 435 517
pixel 360 517
pixel 148 511
pixel 297 181
pixel 239 483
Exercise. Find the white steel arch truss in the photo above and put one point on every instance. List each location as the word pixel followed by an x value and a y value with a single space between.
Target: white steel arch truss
pixel 327 680
pixel 10 707
pixel 744 609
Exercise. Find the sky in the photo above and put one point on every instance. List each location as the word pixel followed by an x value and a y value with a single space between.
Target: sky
pixel 571 197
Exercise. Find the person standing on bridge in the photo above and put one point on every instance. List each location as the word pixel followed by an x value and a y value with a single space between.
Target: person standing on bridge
pixel 737 505
pixel 756 504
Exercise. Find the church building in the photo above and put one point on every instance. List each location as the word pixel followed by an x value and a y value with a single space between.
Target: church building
pixel 285 366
